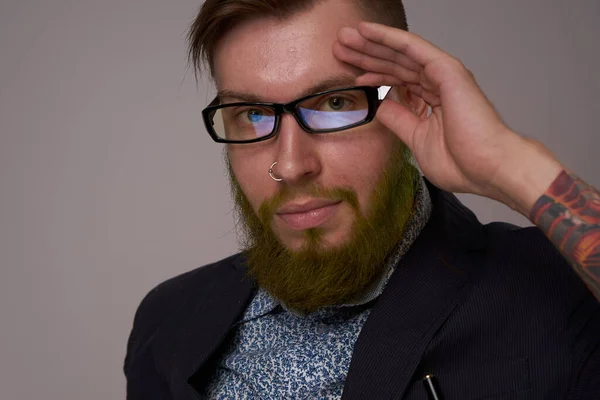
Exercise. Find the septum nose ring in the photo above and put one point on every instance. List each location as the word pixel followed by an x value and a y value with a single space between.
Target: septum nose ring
pixel 271 173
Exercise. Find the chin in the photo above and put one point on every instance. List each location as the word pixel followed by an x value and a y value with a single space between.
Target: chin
pixel 326 240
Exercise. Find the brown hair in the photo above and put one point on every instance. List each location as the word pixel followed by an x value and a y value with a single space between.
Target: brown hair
pixel 217 17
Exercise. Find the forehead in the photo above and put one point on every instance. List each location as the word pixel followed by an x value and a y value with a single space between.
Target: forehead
pixel 277 60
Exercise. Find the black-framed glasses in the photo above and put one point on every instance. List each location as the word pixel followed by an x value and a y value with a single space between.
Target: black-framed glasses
pixel 324 112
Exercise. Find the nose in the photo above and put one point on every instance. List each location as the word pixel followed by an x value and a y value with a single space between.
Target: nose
pixel 298 158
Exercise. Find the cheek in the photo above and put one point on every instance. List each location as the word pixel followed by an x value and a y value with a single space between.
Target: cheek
pixel 360 166
pixel 354 161
pixel 250 168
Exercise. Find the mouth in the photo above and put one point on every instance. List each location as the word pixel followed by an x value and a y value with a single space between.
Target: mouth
pixel 307 215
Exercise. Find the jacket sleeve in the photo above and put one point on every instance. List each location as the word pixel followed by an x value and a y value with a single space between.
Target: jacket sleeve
pixel 144 380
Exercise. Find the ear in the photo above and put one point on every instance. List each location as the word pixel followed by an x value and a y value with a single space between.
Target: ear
pixel 410 100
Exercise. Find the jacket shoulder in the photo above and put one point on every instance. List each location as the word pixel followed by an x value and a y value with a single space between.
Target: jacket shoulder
pixel 528 255
pixel 174 297
pixel 526 248
pixel 192 281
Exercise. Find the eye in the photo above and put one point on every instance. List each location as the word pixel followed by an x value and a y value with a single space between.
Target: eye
pixel 254 115
pixel 336 103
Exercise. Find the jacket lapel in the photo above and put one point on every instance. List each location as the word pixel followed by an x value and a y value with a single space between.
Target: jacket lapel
pixel 226 296
pixel 428 285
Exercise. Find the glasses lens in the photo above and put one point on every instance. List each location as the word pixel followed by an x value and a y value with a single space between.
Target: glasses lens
pixel 335 110
pixel 243 123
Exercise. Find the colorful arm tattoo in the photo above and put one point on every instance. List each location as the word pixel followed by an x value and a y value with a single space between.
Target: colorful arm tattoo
pixel 569 214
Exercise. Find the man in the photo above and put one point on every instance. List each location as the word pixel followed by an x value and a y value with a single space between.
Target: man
pixel 360 278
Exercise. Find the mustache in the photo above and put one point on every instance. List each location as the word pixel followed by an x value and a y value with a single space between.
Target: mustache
pixel 269 207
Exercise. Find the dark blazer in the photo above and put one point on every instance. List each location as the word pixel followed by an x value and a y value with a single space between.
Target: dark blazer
pixel 494 312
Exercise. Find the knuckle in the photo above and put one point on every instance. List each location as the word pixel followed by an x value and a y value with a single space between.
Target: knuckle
pixel 363 61
pixel 455 63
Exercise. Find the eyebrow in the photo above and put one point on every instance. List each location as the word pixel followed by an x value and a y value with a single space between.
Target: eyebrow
pixel 337 82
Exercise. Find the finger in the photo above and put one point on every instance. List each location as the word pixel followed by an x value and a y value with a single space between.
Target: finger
pixel 373 79
pixel 400 120
pixel 379 79
pixel 373 64
pixel 432 99
pixel 415 47
pixel 351 38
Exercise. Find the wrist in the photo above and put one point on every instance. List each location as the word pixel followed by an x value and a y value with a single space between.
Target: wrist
pixel 529 170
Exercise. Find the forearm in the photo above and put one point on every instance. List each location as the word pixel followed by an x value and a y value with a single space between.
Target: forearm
pixel 569 214
pixel 564 207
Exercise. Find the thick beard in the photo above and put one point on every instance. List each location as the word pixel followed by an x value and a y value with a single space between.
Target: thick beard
pixel 315 277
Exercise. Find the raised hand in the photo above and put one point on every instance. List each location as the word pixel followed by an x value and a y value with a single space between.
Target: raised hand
pixel 463 145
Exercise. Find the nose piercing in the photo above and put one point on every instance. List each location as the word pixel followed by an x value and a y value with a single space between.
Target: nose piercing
pixel 271 173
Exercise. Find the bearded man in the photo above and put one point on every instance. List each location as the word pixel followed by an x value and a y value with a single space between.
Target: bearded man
pixel 361 275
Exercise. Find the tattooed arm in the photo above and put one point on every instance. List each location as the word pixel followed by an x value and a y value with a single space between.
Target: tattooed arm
pixel 569 214
pixel 535 184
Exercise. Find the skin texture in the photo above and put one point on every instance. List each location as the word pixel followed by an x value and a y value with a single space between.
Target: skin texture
pixel 464 146
pixel 364 168
pixel 279 61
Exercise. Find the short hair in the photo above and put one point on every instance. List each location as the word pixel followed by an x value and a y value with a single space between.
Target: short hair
pixel 217 17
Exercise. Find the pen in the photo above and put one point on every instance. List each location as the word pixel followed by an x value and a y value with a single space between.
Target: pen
pixel 430 386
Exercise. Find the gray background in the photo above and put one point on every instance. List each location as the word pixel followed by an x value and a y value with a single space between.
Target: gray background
pixel 109 184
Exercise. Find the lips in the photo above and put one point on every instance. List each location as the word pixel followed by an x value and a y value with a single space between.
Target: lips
pixel 307 215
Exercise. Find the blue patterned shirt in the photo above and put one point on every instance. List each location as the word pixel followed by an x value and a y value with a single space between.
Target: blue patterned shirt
pixel 278 354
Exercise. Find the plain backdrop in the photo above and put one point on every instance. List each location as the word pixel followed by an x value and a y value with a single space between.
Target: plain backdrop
pixel 109 183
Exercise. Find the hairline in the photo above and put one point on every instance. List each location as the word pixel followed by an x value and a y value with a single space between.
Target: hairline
pixel 206 64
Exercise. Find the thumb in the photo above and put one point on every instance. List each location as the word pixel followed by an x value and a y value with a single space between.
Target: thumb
pixel 399 119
